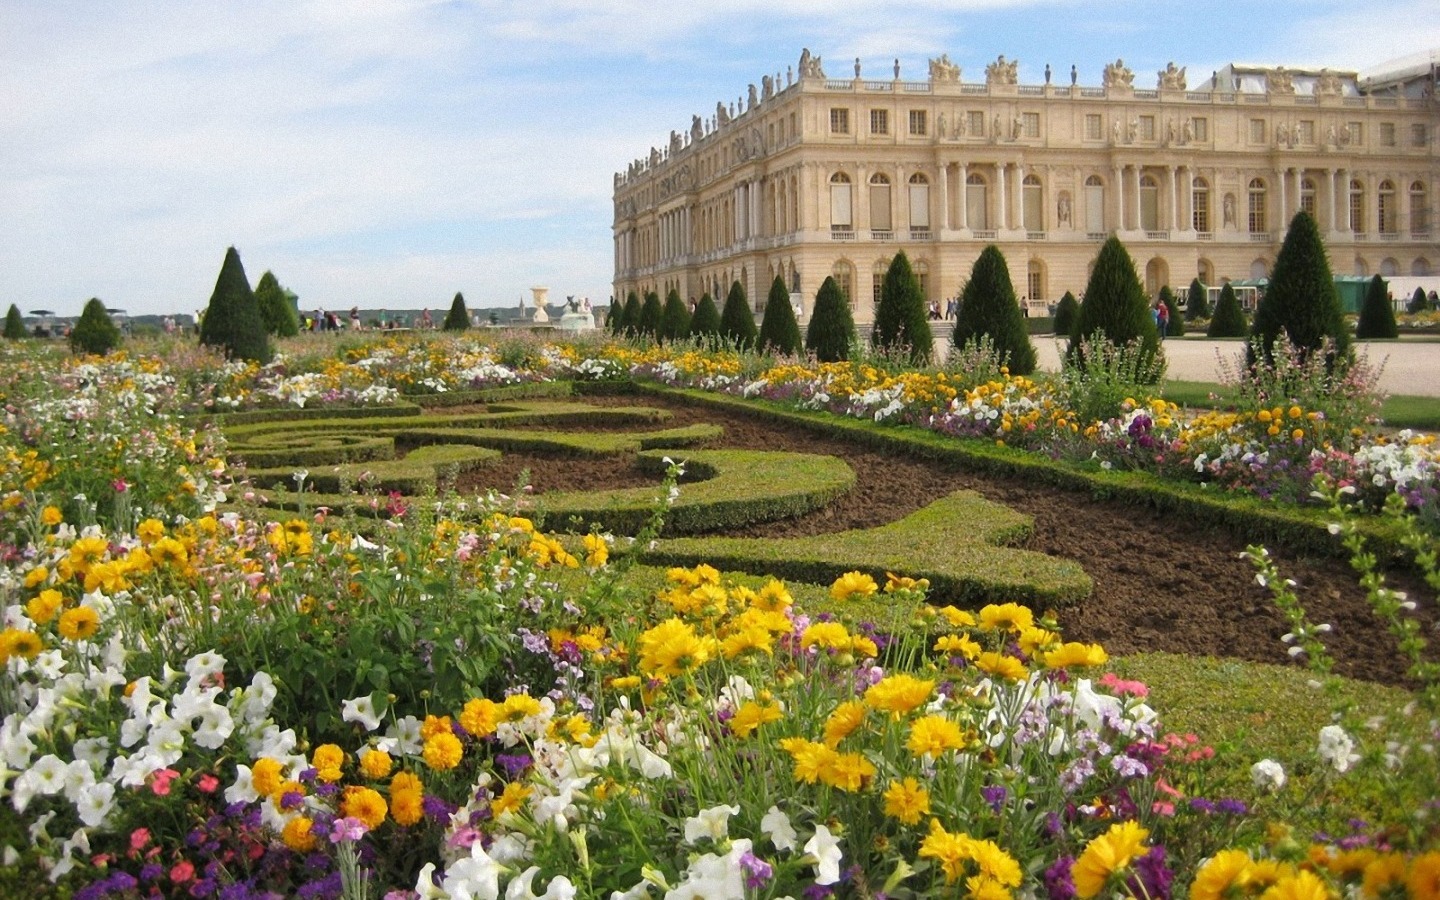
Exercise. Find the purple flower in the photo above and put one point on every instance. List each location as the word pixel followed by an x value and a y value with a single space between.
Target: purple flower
pixel 1058 881
pixel 757 871
pixel 348 828
pixel 994 795
pixel 436 808
pixel 513 763
pixel 1232 807
pixel 1152 876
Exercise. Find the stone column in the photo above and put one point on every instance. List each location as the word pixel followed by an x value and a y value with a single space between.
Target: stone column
pixel 1284 204
pixel 962 175
pixel 755 198
pixel 1019 196
pixel 1001 222
pixel 1330 197
pixel 1119 198
pixel 944 196
pixel 1135 199
pixel 1189 220
pixel 1171 174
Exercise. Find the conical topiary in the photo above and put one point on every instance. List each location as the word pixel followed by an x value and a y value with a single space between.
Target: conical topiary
pixel 705 323
pixel 737 323
pixel 901 319
pixel 458 318
pixel 674 318
pixel 95 332
pixel 14 324
pixel 1066 312
pixel 232 320
pixel 276 308
pixel 988 307
pixel 1418 302
pixel 1175 323
pixel 832 328
pixel 1377 316
pixel 1228 320
pixel 779 332
pixel 651 312
pixel 1115 304
pixel 1197 302
pixel 629 321
pixel 1301 303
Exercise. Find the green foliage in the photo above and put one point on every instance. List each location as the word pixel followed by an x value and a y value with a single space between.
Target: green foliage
pixel 779 332
pixel 232 321
pixel 1228 320
pixel 14 324
pixel 705 323
pixel 1197 302
pixel 1418 301
pixel 901 318
pixel 988 308
pixel 674 318
pixel 1115 308
pixel 1097 380
pixel 277 307
pixel 1066 312
pixel 628 322
pixel 651 312
pixel 1377 316
pixel 737 323
pixel 1175 327
pixel 832 329
pixel 458 319
pixel 1301 301
pixel 94 333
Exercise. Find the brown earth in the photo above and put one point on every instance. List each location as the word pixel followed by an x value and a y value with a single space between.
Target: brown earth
pixel 1160 584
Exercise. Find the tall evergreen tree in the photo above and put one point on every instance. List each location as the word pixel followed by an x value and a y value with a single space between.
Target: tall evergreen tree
pixel 277 308
pixel 1377 315
pixel 1197 302
pixel 1301 303
pixel 458 318
pixel 232 321
pixel 629 321
pixel 14 324
pixel 901 319
pixel 94 332
pixel 737 323
pixel 674 318
pixel 1418 301
pixel 1066 312
pixel 705 323
pixel 1175 323
pixel 1228 319
pixel 651 312
pixel 779 332
pixel 988 307
pixel 1115 304
pixel 831 333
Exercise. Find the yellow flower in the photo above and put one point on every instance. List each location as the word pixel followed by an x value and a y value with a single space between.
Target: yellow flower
pixel 1424 879
pixel 995 864
pixel 51 515
pixel 79 623
pixel 846 718
pixel 745 641
pixel 480 716
pixel 1384 875
pixel 1034 641
pixel 36 576
pixel 810 758
pixel 957 645
pixel 958 618
pixel 434 725
pixel 1001 666
pixel 510 800
pixel 773 597
pixel 150 531
pixel 443 751
pixel 327 756
pixel 852 584
pixel 895 583
pixel 1106 855
pixel 44 605
pixel 1302 885
pixel 1076 654
pixel 1010 616
pixel 298 834
pixel 1224 873
pixel 14 642
pixel 672 647
pixel 830 635
pixel 406 781
pixel 519 706
pixel 168 552
pixel 752 715
pixel 365 804
pixel 951 850
pixel 597 551
pixel 375 763
pixel 407 807
pixel 847 771
pixel 907 801
pixel 898 694
pixel 265 776
pixel 933 735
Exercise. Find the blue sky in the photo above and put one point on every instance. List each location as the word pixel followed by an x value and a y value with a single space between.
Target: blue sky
pixel 388 153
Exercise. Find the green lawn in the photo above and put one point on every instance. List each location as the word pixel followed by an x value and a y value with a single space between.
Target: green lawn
pixel 1398 411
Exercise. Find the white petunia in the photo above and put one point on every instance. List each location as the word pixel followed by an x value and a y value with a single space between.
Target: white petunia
pixel 1267 775
pixel 474 877
pixel 1337 748
pixel 777 827
pixel 824 847
pixel 362 710
pixel 712 823
pixel 95 803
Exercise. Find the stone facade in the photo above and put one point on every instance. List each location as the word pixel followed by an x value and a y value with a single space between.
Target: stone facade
pixel 811 175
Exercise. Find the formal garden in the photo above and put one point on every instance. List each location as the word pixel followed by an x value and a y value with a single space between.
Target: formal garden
pixel 696 609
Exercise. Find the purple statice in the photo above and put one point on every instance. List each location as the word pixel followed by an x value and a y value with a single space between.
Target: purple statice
pixel 513 763
pixel 1076 774
pixel 1059 883
pixel 323 889
pixel 1152 876
pixel 437 809
pixel 1129 767
pixel 1201 805
pixel 994 795
pixel 1232 807
pixel 757 871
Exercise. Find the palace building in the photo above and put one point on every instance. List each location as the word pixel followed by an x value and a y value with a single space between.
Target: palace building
pixel 814 175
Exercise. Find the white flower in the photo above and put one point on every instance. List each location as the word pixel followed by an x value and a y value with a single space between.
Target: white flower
pixel 824 847
pixel 1267 775
pixel 519 887
pixel 403 737
pixel 777 827
pixel 95 803
pixel 474 877
pixel 203 665
pixel 362 710
pixel 1337 748
pixel 713 823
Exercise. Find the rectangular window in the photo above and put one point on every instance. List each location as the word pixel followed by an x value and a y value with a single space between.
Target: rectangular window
pixel 1201 126
pixel 1036 289
pixel 1387 134
pixel 1307 132
pixel 1357 133
pixel 918 123
pixel 839 121
pixel 1031 124
pixel 877 281
pixel 1257 131
pixel 1093 128
pixel 1417 135
pixel 770 133
pixel 1147 128
pixel 794 132
pixel 975 121
pixel 1200 204
pixel 879 121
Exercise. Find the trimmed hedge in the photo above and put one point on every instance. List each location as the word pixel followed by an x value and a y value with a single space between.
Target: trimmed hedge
pixel 422 471
pixel 960 543
pixel 530 390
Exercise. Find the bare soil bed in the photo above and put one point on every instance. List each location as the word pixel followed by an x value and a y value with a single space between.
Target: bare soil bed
pixel 1161 584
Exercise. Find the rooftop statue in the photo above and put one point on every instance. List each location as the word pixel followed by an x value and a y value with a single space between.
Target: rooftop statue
pixel 942 69
pixel 810 65
pixel 1002 72
pixel 1171 78
pixel 1328 84
pixel 1117 74
pixel 1279 81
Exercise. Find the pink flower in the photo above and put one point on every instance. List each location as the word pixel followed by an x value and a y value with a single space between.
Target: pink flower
pixel 348 828
pixel 119 485
pixel 207 783
pixel 160 781
pixel 139 838
pixel 1111 682
pixel 182 871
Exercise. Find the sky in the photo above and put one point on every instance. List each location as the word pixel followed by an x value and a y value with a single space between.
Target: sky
pixel 390 153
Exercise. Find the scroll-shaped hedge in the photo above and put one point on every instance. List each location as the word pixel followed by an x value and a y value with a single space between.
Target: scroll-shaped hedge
pixel 421 471
pixel 739 487
pixel 962 543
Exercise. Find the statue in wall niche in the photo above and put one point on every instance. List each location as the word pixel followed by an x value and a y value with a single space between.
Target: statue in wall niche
pixel 1117 74
pixel 959 126
pixel 1016 127
pixel 1282 135
pixel 1230 210
pixel 1171 78
pixel 995 128
pixel 1170 133
pixel 1062 208
pixel 1330 138
pixel 1279 81
pixel 1187 131
pixel 767 87
pixel 1345 136
pixel 1115 130
pixel 1328 84
pixel 1134 131
pixel 810 65
pixel 1002 72
pixel 943 70
pixel 940 125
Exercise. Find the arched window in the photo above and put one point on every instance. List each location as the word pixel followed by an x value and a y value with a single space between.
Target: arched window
pixel 1420 267
pixel 794 279
pixel 1389 268
pixel 922 275
pixel 1200 207
pixel 841 217
pixel 1033 203
pixel 919 203
pixel 1157 275
pixel 1094 205
pixel 1205 271
pixel 877 279
pixel 1357 208
pixel 1386 208
pixel 880 218
pixel 1307 195
pixel 1361 268
pixel 844 274
pixel 976 202
pixel 1035 286
pixel 1257 221
pixel 1419 212
pixel 1149 203
pixel 1259 268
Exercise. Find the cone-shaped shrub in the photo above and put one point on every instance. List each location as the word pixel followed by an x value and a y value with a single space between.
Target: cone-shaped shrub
pixel 628 322
pixel 1301 304
pixel 1175 326
pixel 14 324
pixel 276 307
pixel 988 307
pixel 832 329
pixel 1197 302
pixel 1229 319
pixel 1377 316
pixel 651 312
pixel 674 318
pixel 1418 302
pixel 901 321
pixel 94 332
pixel 737 323
pixel 779 332
pixel 612 317
pixel 232 321
pixel 1066 312
pixel 1114 304
pixel 458 318
pixel 705 323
